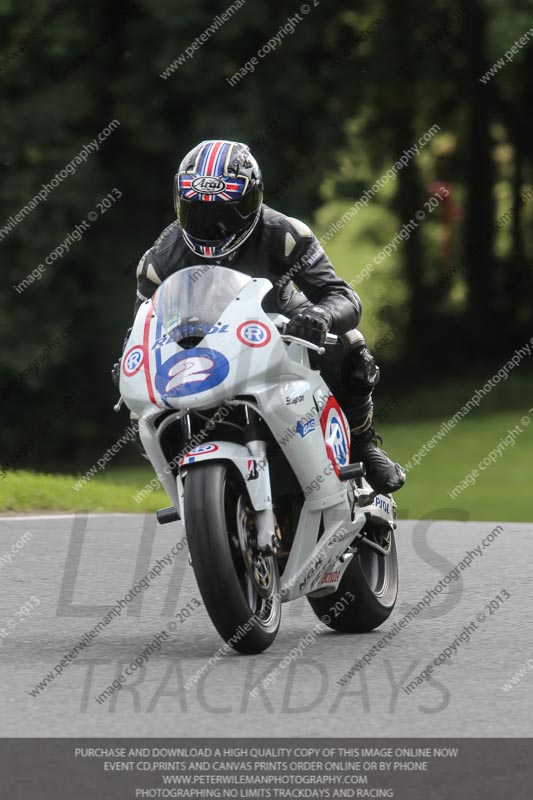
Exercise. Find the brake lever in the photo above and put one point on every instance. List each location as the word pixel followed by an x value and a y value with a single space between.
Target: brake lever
pixel 304 343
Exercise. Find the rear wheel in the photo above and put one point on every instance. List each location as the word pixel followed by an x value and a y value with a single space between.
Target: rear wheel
pixel 372 579
pixel 240 590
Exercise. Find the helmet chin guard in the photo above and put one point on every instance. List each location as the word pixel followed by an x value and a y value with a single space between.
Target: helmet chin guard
pixel 218 251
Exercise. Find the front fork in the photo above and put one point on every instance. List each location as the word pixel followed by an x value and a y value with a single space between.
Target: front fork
pixel 264 520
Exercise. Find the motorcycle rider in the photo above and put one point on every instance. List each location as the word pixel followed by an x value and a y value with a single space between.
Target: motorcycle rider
pixel 221 219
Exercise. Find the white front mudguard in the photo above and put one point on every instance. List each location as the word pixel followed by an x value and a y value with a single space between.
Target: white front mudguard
pixel 255 472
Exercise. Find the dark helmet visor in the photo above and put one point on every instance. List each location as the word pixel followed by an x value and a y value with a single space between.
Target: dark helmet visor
pixel 213 221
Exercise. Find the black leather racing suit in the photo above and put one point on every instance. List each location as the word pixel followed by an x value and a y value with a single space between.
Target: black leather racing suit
pixel 284 249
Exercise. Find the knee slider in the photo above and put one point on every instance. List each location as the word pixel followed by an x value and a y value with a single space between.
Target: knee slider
pixel 360 371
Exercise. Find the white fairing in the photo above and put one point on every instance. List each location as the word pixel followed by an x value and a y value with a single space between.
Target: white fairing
pixel 243 354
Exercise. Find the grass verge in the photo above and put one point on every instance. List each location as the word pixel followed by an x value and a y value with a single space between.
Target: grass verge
pixel 29 491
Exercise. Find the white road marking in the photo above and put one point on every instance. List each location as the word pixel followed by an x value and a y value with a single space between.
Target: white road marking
pixel 63 516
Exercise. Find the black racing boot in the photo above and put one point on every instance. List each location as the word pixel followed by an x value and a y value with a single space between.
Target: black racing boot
pixel 383 475
pixel 351 372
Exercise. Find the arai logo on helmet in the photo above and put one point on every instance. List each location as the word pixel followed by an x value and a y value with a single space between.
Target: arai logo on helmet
pixel 208 185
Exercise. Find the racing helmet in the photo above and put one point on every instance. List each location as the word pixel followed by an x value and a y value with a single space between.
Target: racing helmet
pixel 218 192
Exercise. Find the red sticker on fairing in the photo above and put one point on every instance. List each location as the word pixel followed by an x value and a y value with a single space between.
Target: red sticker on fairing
pixel 254 333
pixel 132 361
pixel 336 435
pixel 146 360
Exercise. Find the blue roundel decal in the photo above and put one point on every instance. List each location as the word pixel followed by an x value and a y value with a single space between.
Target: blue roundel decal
pixel 337 439
pixel 336 435
pixel 190 372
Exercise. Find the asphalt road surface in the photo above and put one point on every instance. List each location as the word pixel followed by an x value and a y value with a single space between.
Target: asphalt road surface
pixel 63 578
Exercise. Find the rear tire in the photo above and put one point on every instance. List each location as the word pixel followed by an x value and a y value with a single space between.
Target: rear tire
pixel 236 590
pixel 372 578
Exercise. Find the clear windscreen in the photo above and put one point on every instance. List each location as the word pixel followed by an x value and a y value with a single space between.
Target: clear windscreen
pixel 189 302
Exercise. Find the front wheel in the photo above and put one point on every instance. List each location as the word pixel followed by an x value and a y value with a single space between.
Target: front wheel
pixel 239 590
pixel 372 579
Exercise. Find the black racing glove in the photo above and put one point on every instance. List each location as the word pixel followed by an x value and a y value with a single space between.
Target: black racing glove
pixel 311 324
pixel 115 369
pixel 115 372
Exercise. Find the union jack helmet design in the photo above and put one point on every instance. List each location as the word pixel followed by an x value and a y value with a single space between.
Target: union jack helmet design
pixel 218 192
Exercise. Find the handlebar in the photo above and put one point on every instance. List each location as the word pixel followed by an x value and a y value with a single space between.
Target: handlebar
pixel 331 338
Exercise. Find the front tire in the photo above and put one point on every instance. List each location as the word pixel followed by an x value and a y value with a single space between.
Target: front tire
pixel 372 579
pixel 240 592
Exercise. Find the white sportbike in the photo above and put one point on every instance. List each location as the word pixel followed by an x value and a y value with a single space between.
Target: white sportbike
pixel 253 451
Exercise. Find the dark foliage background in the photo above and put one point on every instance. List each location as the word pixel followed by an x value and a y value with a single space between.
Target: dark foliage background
pixel 327 113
